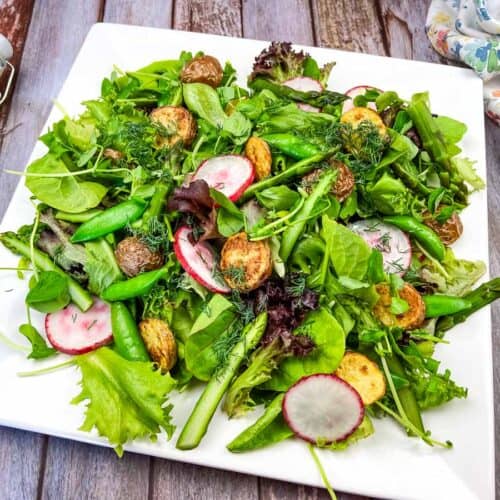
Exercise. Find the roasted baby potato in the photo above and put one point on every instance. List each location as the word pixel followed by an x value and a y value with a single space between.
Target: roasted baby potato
pixel 245 264
pixel 134 256
pixel 160 342
pixel 364 375
pixel 203 69
pixel 357 115
pixel 344 185
pixel 259 153
pixel 413 318
pixel 449 231
pixel 178 124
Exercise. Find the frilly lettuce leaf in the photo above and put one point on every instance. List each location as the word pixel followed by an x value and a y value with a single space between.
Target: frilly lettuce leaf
pixel 466 169
pixel 126 399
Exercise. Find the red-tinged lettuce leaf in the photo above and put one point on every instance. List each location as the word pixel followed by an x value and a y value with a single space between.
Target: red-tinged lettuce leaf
pixel 126 399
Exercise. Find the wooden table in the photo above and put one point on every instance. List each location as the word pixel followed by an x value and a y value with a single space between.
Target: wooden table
pixel 46 35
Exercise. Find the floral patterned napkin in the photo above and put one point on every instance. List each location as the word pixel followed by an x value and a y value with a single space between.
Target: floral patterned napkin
pixel 469 31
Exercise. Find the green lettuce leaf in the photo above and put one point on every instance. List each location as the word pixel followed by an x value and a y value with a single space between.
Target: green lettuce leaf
pixel 364 430
pixel 329 340
pixel 39 348
pixel 466 169
pixel 101 266
pixel 126 399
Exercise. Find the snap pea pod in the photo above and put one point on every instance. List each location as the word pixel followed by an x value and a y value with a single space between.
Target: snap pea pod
pixel 429 240
pixel 291 145
pixel 292 234
pixel 134 287
pixel 300 168
pixel 442 305
pixel 197 423
pixel 110 220
pixel 128 342
pixel 156 204
pixel 42 261
pixel 78 218
pixel 270 428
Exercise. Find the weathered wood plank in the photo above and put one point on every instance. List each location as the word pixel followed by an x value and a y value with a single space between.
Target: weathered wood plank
pixel 404 30
pixel 156 13
pixel 15 18
pixel 76 471
pixel 348 25
pixel 220 17
pixel 288 20
pixel 493 163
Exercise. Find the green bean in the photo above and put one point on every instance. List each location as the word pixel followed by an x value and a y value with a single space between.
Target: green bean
pixel 110 220
pixel 442 305
pixel 128 342
pixel 197 423
pixel 298 169
pixel 134 287
pixel 42 261
pixel 291 145
pixel 292 234
pixel 429 240
pixel 78 218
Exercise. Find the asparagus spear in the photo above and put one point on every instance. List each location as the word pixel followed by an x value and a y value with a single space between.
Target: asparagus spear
pixel 480 297
pixel 197 423
pixel 79 295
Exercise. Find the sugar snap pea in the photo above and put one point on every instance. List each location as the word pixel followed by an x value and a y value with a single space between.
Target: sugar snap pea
pixel 291 145
pixel 429 240
pixel 128 342
pixel 110 220
pixel 442 305
pixel 134 287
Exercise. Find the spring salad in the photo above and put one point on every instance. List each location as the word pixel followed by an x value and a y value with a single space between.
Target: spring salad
pixel 285 244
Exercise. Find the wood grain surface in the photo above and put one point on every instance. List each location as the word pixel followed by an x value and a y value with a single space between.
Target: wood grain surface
pixel 46 35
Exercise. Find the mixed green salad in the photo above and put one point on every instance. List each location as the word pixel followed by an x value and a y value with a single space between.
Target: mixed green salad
pixel 284 244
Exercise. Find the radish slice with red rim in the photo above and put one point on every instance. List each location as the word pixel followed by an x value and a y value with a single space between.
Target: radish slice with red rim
pixel 308 108
pixel 198 260
pixel 323 408
pixel 304 84
pixel 229 174
pixel 393 243
pixel 355 91
pixel 75 332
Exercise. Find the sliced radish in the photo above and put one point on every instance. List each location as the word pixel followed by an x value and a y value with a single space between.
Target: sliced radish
pixel 393 243
pixel 352 93
pixel 198 260
pixel 304 84
pixel 229 174
pixel 323 407
pixel 75 332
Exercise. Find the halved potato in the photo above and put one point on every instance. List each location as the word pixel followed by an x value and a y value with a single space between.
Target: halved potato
pixel 364 375
pixel 178 122
pixel 160 342
pixel 245 264
pixel 413 318
pixel 259 153
pixel 357 115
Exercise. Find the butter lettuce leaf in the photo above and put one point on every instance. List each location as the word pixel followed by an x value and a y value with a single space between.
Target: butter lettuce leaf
pixel 126 399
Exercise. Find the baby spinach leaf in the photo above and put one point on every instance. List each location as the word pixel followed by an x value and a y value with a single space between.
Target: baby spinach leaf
pixel 39 348
pixel 230 219
pixel 349 252
pixel 50 292
pixel 278 198
pixel 64 193
pixel 399 306
pixel 329 339
pixel 202 100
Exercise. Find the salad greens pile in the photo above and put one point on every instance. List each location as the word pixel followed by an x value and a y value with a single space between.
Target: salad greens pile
pixel 190 229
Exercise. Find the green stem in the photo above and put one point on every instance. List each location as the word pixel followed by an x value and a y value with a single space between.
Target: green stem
pixel 322 472
pixel 197 423
pixel 48 369
pixel 13 345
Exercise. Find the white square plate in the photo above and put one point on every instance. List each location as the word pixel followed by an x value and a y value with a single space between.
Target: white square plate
pixel 388 464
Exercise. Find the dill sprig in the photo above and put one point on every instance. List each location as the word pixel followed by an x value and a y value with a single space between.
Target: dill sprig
pixel 155 235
